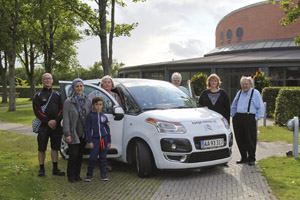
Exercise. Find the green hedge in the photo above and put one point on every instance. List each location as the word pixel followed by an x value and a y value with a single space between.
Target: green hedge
pixel 269 95
pixel 25 92
pixel 287 105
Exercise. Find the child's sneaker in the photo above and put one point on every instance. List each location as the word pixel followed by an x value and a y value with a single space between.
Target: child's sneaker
pixel 104 178
pixel 88 179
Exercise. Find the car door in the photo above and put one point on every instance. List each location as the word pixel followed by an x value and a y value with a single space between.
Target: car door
pixel 109 107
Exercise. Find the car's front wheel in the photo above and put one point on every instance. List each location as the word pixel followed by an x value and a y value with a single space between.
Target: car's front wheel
pixel 64 149
pixel 143 159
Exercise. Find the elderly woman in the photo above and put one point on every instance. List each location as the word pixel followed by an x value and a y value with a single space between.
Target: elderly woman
pixel 76 109
pixel 176 80
pixel 108 84
pixel 215 98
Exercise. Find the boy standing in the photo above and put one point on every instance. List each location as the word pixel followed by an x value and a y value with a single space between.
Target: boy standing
pixel 98 138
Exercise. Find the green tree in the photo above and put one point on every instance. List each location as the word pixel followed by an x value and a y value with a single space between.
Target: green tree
pixel 9 20
pixel 292 13
pixel 101 27
pixel 3 73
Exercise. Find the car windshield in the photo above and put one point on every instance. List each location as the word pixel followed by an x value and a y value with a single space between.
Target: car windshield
pixel 152 95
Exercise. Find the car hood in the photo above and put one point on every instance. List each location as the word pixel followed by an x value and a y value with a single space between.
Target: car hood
pixel 184 114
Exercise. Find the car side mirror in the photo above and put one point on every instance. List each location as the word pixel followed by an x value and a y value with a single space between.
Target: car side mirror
pixel 118 113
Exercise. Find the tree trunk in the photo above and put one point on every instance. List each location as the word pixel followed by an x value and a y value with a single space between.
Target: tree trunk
pixel 31 72
pixel 111 34
pixel 11 60
pixel 3 71
pixel 103 38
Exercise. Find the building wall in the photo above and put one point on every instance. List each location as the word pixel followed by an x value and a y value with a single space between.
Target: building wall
pixel 259 21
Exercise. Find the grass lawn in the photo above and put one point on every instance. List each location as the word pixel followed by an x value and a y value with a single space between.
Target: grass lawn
pixel 19 101
pixel 18 169
pixel 282 173
pixel 283 176
pixel 23 115
pixel 275 134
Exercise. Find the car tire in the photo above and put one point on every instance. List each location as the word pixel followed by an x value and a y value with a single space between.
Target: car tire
pixel 143 160
pixel 64 149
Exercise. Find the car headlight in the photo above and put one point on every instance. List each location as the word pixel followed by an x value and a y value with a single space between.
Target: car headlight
pixel 167 127
pixel 225 122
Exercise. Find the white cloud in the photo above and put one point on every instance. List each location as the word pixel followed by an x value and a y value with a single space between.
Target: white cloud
pixel 168 29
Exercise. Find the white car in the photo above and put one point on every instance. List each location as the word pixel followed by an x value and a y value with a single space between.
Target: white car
pixel 159 126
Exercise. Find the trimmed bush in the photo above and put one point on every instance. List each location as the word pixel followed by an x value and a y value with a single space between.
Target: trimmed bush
pixel 269 95
pixel 287 105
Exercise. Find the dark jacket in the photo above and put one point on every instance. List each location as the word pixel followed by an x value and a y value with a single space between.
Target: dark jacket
pixel 54 108
pixel 222 105
pixel 96 127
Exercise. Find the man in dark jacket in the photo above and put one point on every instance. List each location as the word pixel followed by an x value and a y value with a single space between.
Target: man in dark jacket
pixel 50 126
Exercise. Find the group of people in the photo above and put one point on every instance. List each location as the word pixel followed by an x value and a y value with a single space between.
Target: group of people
pixel 83 123
pixel 246 108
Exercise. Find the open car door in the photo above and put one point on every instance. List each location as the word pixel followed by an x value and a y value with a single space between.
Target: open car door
pixel 111 109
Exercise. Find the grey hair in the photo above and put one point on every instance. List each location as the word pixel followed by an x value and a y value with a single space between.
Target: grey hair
pixel 248 78
pixel 112 82
pixel 176 75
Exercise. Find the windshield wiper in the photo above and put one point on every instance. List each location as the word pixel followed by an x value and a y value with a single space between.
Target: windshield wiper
pixel 155 108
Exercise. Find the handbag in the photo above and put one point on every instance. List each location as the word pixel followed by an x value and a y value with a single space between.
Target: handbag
pixel 36 123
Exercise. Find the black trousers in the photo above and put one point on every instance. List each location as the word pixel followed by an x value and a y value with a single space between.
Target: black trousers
pixel 245 131
pixel 75 159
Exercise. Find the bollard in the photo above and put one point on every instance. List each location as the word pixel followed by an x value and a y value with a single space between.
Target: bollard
pixel 293 125
pixel 265 116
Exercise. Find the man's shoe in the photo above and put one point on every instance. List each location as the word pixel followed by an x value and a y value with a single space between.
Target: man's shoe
pixel 78 179
pixel 57 172
pixel 242 161
pixel 41 173
pixel 88 179
pixel 71 180
pixel 104 178
pixel 251 163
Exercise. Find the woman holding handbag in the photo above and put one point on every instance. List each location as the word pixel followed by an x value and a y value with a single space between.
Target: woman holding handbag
pixel 76 109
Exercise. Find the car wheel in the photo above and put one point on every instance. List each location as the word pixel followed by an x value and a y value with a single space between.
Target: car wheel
pixel 143 159
pixel 64 149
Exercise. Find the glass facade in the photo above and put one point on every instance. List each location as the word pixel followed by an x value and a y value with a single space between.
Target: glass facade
pixel 285 76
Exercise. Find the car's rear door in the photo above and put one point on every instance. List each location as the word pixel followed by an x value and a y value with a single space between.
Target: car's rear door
pixel 116 126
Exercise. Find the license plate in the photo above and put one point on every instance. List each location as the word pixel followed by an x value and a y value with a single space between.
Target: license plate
pixel 207 144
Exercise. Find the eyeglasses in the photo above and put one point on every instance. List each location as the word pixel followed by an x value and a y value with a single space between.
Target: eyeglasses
pixel 47 79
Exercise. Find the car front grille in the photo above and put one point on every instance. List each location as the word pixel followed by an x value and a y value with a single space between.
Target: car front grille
pixel 208 156
pixel 197 140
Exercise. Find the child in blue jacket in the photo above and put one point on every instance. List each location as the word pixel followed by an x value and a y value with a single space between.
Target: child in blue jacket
pixel 98 138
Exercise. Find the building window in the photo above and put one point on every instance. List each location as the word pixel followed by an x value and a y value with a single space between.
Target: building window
pixel 154 75
pixel 239 33
pixel 132 75
pixel 285 76
pixel 229 34
pixel 222 36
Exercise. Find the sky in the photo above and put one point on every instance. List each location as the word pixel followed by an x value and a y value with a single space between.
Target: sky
pixel 168 30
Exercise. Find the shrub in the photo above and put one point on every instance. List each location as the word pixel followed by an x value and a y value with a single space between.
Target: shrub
pixel 269 95
pixel 199 83
pixel 287 105
pixel 260 80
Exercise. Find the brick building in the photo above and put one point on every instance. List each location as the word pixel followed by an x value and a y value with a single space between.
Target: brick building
pixel 248 39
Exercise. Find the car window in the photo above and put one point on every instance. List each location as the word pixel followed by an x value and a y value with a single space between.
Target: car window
pixel 159 95
pixel 129 104
pixel 91 93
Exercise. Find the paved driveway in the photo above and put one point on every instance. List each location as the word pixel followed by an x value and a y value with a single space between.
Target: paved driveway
pixel 231 182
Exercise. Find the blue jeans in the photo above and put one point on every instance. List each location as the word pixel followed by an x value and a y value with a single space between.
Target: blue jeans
pixel 97 150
